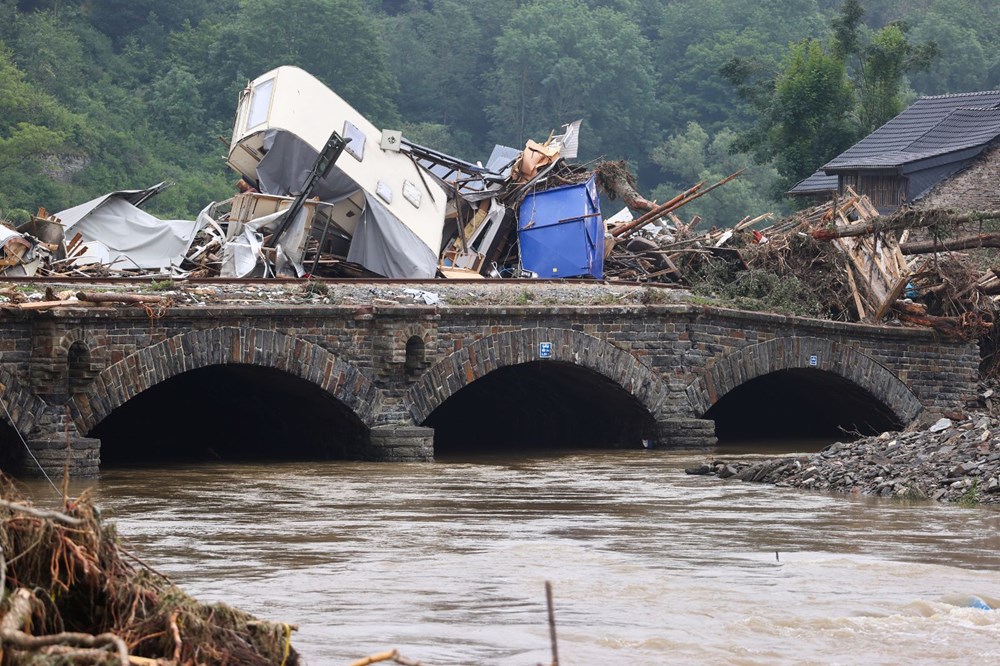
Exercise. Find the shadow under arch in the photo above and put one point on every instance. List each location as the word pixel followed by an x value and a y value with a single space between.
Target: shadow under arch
pixel 498 392
pixel 261 393
pixel 801 386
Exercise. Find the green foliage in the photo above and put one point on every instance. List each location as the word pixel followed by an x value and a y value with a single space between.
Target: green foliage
pixel 811 112
pixel 694 156
pixel 560 60
pixel 806 118
pixel 757 290
pixel 337 41
pixel 970 498
pixel 880 63
pixel 96 96
pixel 430 70
pixel 162 285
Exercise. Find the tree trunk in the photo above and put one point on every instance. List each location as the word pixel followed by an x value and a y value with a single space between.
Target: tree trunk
pixel 964 243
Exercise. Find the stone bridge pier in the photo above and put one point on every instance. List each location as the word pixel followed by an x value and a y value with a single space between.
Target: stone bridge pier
pixel 403 382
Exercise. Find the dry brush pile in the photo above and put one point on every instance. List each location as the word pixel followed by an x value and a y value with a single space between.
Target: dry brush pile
pixel 72 595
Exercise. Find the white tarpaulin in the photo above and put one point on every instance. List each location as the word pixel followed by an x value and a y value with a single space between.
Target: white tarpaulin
pixel 119 234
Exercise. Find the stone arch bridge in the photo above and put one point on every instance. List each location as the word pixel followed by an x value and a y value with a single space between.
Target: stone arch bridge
pixel 661 373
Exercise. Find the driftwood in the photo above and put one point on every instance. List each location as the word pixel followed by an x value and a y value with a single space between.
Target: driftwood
pixel 952 244
pixel 388 655
pixel 19 612
pixel 618 182
pixel 967 326
pixel 109 297
pixel 906 219
pixel 682 199
pixel 659 211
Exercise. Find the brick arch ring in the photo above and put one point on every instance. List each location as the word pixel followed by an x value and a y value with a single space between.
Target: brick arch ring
pixel 802 352
pixel 477 359
pixel 20 406
pixel 122 381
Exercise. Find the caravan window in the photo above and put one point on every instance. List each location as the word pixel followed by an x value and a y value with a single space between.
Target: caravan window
pixel 260 103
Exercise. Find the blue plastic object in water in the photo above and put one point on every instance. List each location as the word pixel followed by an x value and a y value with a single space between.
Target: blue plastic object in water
pixel 561 232
pixel 976 602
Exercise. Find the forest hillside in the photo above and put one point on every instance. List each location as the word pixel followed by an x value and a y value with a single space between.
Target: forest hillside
pixel 97 95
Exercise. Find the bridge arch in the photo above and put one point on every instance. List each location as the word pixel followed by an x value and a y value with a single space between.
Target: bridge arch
pixel 20 406
pixel 500 352
pixel 799 357
pixel 193 350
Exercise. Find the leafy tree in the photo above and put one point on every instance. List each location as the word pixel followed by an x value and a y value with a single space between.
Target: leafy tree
pixel 693 155
pixel 560 60
pixel 122 19
pixel 51 57
pixel 34 130
pixel 696 38
pixel 807 119
pixel 964 31
pixel 337 41
pixel 879 64
pixel 439 77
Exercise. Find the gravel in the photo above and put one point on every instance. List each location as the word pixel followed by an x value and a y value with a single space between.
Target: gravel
pixel 437 292
pixel 950 461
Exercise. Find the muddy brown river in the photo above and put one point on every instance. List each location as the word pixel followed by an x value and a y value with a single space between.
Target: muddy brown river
pixel 447 561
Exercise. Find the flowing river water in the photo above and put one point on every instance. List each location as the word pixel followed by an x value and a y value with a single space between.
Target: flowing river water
pixel 447 561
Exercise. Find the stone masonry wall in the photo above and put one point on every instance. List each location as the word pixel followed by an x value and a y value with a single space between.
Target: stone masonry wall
pixel 976 187
pixel 674 358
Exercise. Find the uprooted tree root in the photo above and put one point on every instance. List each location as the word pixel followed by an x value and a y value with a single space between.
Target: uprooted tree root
pixel 71 597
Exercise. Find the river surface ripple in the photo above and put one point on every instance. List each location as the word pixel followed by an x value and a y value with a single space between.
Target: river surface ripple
pixel 447 561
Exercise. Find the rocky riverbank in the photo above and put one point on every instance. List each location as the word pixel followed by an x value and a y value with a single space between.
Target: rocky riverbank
pixel 950 461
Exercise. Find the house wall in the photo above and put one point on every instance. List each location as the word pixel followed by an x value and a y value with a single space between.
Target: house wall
pixel 974 188
pixel 887 191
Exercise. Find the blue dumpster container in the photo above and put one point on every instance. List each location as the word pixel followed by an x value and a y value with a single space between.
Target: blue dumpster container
pixel 561 232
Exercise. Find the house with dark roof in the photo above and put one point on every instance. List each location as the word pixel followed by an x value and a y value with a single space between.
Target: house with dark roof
pixel 941 151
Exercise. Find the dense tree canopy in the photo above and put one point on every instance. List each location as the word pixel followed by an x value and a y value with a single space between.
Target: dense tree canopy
pixel 104 94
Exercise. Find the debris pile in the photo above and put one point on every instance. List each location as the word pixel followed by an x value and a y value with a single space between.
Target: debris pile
pixel 954 460
pixel 847 263
pixel 70 596
pixel 332 196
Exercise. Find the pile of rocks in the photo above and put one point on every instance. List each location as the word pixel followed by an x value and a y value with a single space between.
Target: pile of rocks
pixel 952 461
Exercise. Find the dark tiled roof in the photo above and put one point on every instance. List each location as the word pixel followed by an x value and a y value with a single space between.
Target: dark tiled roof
pixel 817 183
pixel 930 126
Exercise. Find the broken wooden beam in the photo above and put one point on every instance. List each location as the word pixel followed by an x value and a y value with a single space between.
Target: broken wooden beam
pixel 111 297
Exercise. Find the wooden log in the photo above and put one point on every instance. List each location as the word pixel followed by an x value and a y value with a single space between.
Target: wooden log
pixel 854 292
pixel 653 215
pixel 664 209
pixel 951 244
pixel 110 297
pixel 903 220
pixel 388 655
pixel 618 182
pixel 44 514
pixel 45 305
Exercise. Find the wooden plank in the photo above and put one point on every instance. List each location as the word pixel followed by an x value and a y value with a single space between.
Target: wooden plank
pixel 893 296
pixel 854 292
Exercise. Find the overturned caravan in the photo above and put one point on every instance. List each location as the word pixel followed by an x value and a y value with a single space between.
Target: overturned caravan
pixel 377 203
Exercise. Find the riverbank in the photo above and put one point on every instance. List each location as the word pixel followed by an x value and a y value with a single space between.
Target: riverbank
pixel 949 461
pixel 73 594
